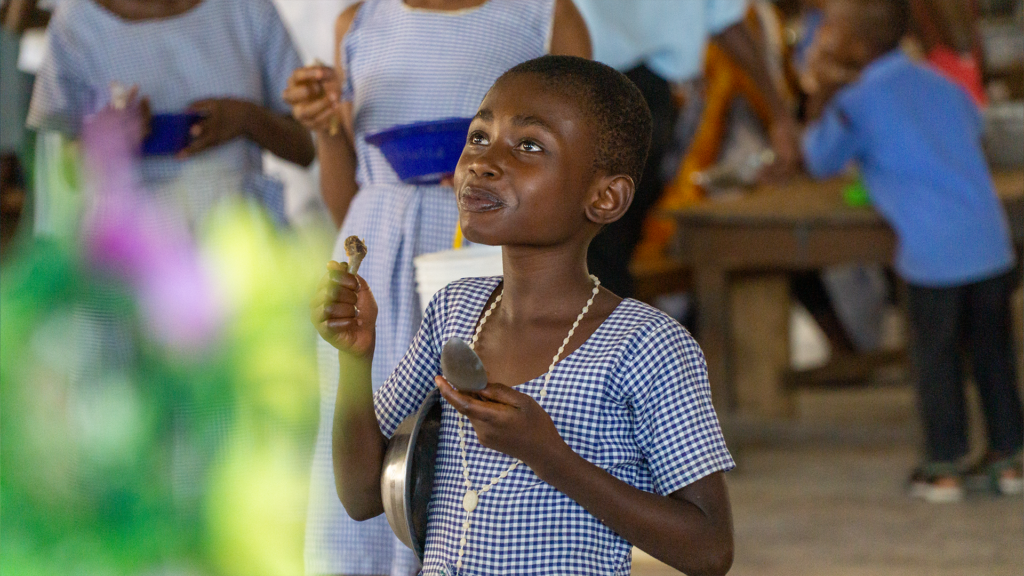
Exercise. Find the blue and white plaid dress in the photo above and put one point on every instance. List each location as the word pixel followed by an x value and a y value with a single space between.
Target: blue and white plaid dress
pixel 633 399
pixel 218 49
pixel 404 65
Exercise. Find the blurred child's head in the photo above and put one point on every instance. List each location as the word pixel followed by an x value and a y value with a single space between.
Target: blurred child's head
pixel 555 150
pixel 855 32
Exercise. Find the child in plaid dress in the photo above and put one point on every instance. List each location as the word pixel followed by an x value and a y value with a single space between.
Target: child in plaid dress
pixel 226 60
pixel 399 62
pixel 613 442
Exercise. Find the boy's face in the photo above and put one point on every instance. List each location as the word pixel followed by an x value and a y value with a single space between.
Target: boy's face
pixel 526 173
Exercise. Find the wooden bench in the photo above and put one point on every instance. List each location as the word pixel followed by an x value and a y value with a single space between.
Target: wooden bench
pixel 741 251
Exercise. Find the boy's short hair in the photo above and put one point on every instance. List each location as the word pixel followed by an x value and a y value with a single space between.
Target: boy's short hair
pixel 606 97
pixel 883 23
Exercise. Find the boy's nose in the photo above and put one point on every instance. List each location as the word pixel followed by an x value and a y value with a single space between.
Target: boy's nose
pixel 484 165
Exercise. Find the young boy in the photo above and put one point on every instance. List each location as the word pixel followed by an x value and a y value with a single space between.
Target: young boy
pixel 604 435
pixel 916 139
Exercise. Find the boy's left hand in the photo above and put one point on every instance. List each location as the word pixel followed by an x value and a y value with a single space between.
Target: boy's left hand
pixel 223 119
pixel 506 420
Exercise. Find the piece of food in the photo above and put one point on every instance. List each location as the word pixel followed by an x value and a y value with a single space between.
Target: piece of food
pixel 355 249
pixel 335 122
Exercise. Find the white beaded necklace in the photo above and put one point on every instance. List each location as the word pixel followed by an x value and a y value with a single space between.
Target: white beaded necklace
pixel 472 497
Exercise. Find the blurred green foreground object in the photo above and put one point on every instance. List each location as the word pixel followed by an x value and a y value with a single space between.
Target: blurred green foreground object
pixel 855 194
pixel 138 459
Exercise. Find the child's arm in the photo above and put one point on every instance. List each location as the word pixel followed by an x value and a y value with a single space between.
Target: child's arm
pixel 225 119
pixel 337 147
pixel 569 35
pixel 784 131
pixel 337 156
pixel 345 314
pixel 830 141
pixel 266 119
pixel 691 529
pixel 823 81
pixel 315 95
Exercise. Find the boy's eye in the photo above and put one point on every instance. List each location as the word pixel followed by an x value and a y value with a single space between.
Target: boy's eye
pixel 530 146
pixel 477 138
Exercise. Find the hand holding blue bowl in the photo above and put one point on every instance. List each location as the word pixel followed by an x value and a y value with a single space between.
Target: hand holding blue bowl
pixel 169 133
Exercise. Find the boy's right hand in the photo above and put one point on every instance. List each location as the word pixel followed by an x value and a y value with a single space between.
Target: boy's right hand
pixel 314 93
pixel 344 312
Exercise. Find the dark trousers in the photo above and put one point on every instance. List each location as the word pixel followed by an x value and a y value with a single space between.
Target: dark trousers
pixel 946 322
pixel 612 249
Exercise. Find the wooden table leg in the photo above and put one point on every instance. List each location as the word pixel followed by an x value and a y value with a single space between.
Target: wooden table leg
pixel 711 287
pixel 758 352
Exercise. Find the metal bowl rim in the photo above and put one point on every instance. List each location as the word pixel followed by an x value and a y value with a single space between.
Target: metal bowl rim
pixel 409 449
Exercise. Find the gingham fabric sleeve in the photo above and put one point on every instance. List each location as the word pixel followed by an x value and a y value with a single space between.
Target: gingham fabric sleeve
pixel 676 426
pixel 279 55
pixel 832 141
pixel 62 94
pixel 413 378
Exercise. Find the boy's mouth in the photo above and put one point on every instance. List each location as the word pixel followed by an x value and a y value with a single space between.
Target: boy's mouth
pixel 479 200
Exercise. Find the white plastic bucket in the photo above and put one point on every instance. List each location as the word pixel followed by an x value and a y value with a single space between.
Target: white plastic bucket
pixel 438 269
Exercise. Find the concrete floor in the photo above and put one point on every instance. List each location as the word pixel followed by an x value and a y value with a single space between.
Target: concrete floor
pixel 823 495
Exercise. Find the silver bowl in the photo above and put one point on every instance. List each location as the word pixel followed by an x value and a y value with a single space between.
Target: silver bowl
pixel 407 478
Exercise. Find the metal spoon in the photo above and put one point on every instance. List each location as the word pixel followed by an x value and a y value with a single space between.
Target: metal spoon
pixel 462 367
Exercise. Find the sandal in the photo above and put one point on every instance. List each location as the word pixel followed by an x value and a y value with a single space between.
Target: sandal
pixel 936 482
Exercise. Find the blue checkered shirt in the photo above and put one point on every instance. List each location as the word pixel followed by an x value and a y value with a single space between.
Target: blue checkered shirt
pixel 634 400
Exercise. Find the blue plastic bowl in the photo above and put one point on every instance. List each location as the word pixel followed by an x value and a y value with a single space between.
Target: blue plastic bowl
pixel 424 152
pixel 168 133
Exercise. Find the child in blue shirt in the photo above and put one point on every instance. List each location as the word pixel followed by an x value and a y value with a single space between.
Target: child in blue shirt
pixel 916 139
pixel 605 437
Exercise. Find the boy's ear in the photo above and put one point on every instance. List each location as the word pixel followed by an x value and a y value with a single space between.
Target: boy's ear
pixel 611 199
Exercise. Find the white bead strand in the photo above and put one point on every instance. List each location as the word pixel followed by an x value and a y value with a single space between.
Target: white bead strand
pixel 471 499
